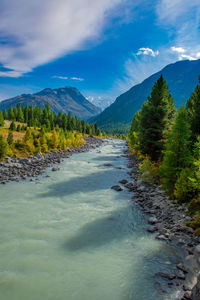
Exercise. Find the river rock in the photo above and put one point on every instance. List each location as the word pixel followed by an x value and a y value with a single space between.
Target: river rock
pixel 187 296
pixel 180 275
pixel 186 288
pixel 54 169
pixel 152 228
pixel 123 181
pixel 152 220
pixel 182 268
pixel 166 275
pixel 117 188
pixel 129 185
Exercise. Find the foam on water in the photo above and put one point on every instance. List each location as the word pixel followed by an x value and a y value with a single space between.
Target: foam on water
pixel 72 237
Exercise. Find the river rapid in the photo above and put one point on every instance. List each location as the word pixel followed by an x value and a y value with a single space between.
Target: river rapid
pixel 70 237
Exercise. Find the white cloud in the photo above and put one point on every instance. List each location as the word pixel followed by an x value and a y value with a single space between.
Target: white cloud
pixel 60 77
pixel 171 11
pixel 181 18
pixel 76 78
pixel 185 56
pixel 67 78
pixel 189 54
pixel 36 32
pixel 147 51
pixel 178 49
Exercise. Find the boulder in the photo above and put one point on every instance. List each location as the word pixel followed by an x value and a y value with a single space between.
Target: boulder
pixel 152 228
pixel 123 181
pixel 54 169
pixel 117 188
pixel 180 275
pixel 166 275
pixel 152 220
pixel 182 268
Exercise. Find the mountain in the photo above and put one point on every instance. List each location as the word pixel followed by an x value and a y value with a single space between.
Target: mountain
pixel 181 77
pixel 60 100
pixel 99 102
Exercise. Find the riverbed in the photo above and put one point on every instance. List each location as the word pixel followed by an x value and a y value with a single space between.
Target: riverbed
pixel 68 235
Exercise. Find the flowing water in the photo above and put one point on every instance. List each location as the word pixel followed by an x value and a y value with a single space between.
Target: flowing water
pixel 71 237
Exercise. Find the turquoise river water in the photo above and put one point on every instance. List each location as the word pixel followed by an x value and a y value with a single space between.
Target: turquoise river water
pixel 71 237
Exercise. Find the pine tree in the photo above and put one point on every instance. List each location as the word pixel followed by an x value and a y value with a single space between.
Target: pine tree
pixel 26 114
pixel 156 119
pixel 10 138
pixel 193 110
pixel 1 119
pixel 12 126
pixel 20 115
pixel 5 114
pixel 18 128
pixel 177 155
pixel 11 115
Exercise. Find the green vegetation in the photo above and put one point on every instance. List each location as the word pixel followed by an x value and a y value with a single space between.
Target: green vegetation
pixel 42 131
pixel 168 143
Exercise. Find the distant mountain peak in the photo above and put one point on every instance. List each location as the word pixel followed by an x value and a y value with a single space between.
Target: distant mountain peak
pixel 62 99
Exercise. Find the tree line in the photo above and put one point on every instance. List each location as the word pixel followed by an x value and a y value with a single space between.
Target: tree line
pixel 37 117
pixel 42 130
pixel 168 142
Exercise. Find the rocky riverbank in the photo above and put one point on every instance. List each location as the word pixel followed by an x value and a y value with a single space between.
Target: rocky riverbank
pixel 15 169
pixel 167 221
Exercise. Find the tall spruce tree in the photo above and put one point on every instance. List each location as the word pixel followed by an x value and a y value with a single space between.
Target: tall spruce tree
pixel 20 115
pixel 5 114
pixel 1 119
pixel 177 155
pixel 11 115
pixel 10 138
pixel 193 110
pixel 155 120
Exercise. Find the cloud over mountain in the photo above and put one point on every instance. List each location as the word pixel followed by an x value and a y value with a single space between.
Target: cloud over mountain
pixel 33 33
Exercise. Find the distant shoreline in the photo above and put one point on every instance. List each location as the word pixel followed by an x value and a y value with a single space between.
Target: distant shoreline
pixel 24 168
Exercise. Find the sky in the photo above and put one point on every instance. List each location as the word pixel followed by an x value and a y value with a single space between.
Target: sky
pixel 102 48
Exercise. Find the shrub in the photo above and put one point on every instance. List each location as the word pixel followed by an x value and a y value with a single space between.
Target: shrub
pixel 3 147
pixel 149 171
pixel 184 189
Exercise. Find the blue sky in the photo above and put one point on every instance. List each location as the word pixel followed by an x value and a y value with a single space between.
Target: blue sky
pixel 101 47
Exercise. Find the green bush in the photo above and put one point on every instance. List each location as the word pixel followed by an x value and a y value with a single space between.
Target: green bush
pixel 3 147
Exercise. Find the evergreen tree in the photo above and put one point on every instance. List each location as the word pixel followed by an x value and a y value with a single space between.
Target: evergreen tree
pixel 11 115
pixel 1 119
pixel 155 120
pixel 10 138
pixel 12 126
pixel 20 115
pixel 26 113
pixel 193 110
pixel 177 155
pixel 23 128
pixel 15 110
pixel 5 114
pixel 18 128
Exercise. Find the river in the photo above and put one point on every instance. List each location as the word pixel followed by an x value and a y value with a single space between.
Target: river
pixel 70 237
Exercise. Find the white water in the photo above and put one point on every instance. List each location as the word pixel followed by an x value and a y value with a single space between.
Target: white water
pixel 70 237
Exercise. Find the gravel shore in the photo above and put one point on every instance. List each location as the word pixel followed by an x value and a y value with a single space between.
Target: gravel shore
pixel 16 169
pixel 167 221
